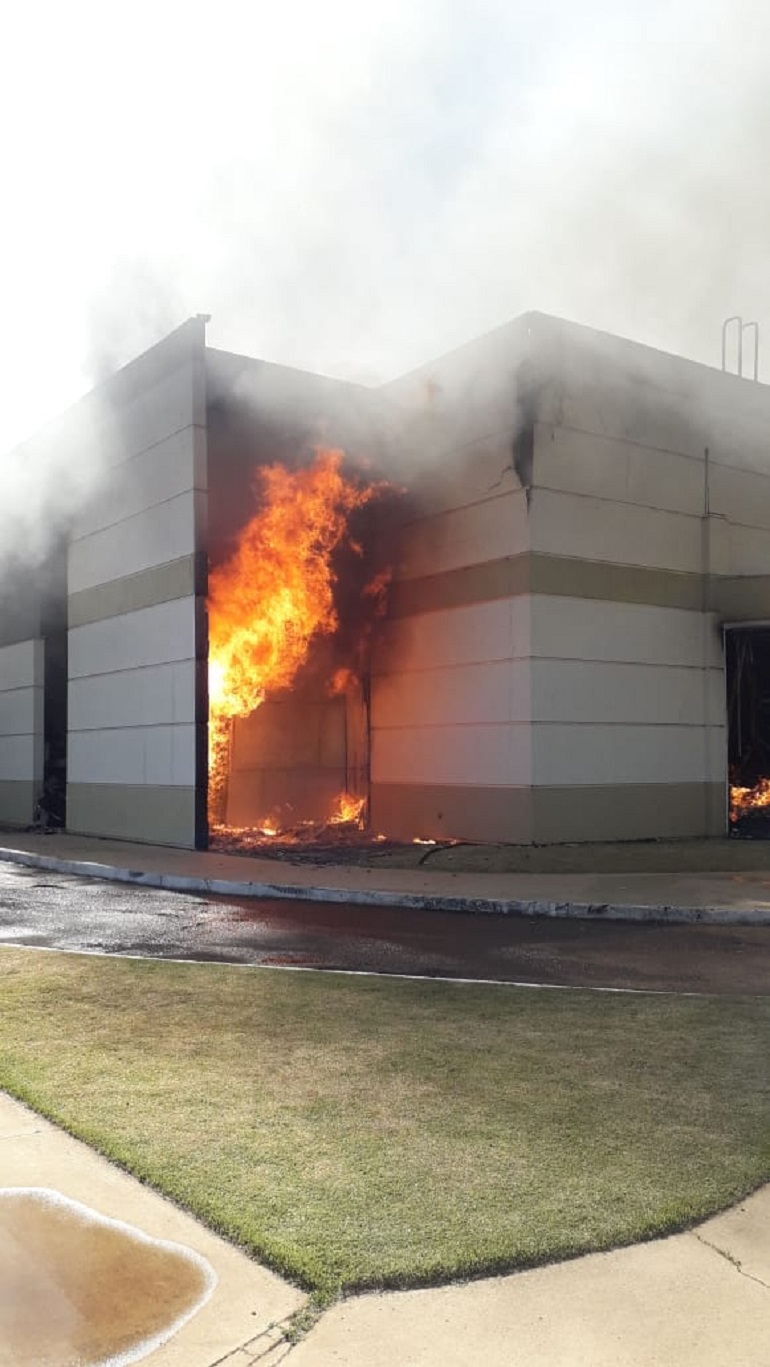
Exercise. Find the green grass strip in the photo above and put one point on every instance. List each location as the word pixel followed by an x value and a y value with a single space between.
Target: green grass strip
pixel 362 1132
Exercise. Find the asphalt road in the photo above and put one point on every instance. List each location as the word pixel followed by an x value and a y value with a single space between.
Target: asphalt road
pixel 58 911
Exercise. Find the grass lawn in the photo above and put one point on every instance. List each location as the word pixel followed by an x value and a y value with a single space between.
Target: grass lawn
pixel 360 1132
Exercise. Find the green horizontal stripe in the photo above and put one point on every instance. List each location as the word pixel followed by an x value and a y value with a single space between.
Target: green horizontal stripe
pixel 735 598
pixel 160 584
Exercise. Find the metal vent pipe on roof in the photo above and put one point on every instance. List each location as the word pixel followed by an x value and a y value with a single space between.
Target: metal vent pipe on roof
pixel 742 327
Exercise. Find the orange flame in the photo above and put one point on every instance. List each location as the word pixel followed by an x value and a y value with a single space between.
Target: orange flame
pixel 377 590
pixel 343 680
pixel 743 800
pixel 274 595
pixel 349 812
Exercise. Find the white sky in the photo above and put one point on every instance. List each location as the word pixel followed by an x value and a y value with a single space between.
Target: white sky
pixel 356 187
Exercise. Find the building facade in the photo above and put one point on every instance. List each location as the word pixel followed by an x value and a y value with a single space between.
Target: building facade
pixel 583 519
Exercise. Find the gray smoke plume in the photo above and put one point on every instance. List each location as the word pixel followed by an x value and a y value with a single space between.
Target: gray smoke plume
pixel 355 189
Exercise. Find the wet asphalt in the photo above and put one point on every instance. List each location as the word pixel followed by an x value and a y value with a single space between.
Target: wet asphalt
pixel 58 911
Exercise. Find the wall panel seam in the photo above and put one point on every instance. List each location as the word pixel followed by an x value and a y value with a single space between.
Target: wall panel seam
pixel 126 669
pixel 451 783
pixel 546 425
pixel 153 446
pixel 621 503
pixel 420 520
pixel 601 661
pixel 533 722
pixel 129 726
pixel 124 521
pixel 614 663
pixel 448 668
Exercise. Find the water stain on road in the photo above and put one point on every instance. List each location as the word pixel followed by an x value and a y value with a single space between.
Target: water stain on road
pixel 80 1290
pixel 64 912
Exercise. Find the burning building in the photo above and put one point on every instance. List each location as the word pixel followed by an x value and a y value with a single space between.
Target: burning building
pixel 519 595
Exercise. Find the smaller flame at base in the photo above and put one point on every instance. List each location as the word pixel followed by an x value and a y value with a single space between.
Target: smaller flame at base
pixel 746 800
pixel 349 812
pixel 347 816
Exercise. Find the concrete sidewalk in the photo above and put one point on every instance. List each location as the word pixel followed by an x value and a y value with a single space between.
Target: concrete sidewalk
pixel 700 1299
pixel 736 898
pixel 239 1324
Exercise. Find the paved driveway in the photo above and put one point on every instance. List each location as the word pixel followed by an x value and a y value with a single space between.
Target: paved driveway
pixel 58 911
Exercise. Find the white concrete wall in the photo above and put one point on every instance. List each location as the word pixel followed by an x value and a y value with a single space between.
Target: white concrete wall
pixel 611 500
pixel 629 426
pixel 632 693
pixel 132 690
pixel 21 730
pixel 596 384
pixel 132 697
pixel 649 483
pixel 457 537
pixel 450 693
pixel 625 693
pixel 143 515
pixel 451 697
pixel 602 529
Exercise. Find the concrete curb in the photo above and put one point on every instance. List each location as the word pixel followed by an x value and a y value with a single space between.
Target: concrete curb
pixel 495 906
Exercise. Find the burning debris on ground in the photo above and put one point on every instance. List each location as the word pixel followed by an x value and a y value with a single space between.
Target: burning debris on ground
pixel 746 802
pixel 750 811
pixel 317 843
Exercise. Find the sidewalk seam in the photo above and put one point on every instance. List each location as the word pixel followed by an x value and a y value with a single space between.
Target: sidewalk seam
pixel 258 1349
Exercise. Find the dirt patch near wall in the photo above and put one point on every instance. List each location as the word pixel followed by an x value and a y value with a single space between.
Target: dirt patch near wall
pixel 729 855
pixel 342 846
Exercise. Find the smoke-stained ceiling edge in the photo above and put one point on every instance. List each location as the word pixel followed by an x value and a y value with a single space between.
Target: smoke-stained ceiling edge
pixel 534 369
pixel 540 354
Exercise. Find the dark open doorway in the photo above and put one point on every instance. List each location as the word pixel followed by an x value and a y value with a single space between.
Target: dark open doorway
pixel 747 659
pixel 52 807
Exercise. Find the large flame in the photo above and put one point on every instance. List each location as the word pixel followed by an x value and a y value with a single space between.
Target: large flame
pixel 743 800
pixel 274 594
